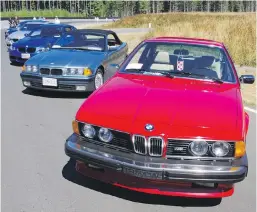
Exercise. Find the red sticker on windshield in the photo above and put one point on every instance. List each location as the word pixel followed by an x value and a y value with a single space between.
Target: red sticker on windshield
pixel 180 65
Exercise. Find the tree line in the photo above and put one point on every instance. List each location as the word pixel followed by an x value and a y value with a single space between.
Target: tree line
pixel 90 8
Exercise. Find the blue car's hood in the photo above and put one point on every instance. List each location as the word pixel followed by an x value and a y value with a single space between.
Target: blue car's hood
pixel 69 58
pixel 36 41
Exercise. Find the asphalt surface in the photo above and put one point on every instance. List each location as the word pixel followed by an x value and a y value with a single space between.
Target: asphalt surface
pixel 75 22
pixel 37 176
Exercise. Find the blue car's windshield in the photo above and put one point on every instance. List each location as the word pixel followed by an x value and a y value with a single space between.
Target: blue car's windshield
pixel 84 41
pixel 51 31
pixel 30 27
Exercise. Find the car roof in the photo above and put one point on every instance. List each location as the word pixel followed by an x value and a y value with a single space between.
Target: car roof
pixel 185 40
pixel 55 25
pixel 36 22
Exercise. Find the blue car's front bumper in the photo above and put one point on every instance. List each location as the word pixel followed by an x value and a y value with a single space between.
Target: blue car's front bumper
pixel 16 57
pixel 68 84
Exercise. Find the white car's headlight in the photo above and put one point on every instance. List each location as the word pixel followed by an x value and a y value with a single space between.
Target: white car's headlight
pixel 105 135
pixel 88 131
pixel 199 148
pixel 220 149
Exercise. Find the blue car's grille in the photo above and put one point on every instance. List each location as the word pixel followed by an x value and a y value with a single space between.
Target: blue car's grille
pixel 27 50
pixel 31 50
pixel 56 71
pixel 48 71
pixel 45 71
pixel 22 49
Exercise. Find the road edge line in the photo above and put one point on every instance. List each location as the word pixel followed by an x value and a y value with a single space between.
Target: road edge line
pixel 250 109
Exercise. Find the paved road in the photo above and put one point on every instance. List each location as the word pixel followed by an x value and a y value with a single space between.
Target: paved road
pixel 75 22
pixel 36 173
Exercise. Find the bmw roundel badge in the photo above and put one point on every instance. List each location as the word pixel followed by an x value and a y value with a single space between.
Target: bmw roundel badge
pixel 149 127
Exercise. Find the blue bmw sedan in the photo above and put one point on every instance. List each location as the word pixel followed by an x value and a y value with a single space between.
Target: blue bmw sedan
pixel 35 43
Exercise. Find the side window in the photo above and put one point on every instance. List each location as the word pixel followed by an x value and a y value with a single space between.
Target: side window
pixel 67 29
pixel 112 40
pixel 138 55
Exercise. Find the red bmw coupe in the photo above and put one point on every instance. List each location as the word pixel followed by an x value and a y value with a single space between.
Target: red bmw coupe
pixel 170 121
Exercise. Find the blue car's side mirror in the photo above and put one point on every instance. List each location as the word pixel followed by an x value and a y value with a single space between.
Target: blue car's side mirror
pixel 114 66
pixel 112 48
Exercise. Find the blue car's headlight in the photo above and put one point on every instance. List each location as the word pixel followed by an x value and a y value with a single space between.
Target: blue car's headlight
pixel 12 48
pixel 41 49
pixel 77 71
pixel 30 68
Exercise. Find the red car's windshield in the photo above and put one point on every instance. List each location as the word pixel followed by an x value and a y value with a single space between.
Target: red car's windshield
pixel 182 60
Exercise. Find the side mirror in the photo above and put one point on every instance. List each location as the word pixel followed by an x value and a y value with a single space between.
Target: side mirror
pixel 112 48
pixel 247 79
pixel 115 65
pixel 113 68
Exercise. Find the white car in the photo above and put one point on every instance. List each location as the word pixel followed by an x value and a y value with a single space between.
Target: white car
pixel 21 33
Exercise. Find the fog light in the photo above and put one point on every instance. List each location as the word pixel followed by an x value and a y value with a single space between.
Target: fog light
pixel 80 88
pixel 26 83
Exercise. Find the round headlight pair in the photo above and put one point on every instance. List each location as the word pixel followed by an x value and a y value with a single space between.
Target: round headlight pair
pixel 218 149
pixel 32 68
pixel 42 49
pixel 73 71
pixel 104 134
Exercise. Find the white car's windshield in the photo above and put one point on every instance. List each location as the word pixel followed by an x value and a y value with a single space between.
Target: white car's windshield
pixel 181 60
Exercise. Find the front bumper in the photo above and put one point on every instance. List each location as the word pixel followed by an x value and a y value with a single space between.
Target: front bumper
pixel 15 56
pixel 64 84
pixel 160 169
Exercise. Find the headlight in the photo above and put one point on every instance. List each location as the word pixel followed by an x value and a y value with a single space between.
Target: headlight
pixel 34 68
pixel 77 71
pixel 41 49
pixel 199 148
pixel 12 48
pixel 28 68
pixel 88 131
pixel 220 149
pixel 105 135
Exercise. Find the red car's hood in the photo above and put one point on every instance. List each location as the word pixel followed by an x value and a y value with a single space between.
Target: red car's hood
pixel 176 107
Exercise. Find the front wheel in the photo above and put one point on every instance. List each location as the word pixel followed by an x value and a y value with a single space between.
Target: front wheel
pixel 99 79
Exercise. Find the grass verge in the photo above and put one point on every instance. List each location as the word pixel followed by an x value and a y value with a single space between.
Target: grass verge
pixel 236 30
pixel 38 13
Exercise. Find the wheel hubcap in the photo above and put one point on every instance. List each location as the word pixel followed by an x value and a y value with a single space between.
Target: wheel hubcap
pixel 98 80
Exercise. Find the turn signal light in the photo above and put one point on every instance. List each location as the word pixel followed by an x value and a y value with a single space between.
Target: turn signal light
pixel 87 72
pixel 240 149
pixel 75 126
pixel 23 68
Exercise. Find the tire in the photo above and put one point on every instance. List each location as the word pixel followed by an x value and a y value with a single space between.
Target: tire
pixel 99 79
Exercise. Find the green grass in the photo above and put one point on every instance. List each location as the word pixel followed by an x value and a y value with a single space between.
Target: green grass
pixel 42 13
pixel 236 30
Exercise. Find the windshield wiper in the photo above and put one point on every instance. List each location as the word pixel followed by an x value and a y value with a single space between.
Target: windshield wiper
pixel 156 73
pixel 214 79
